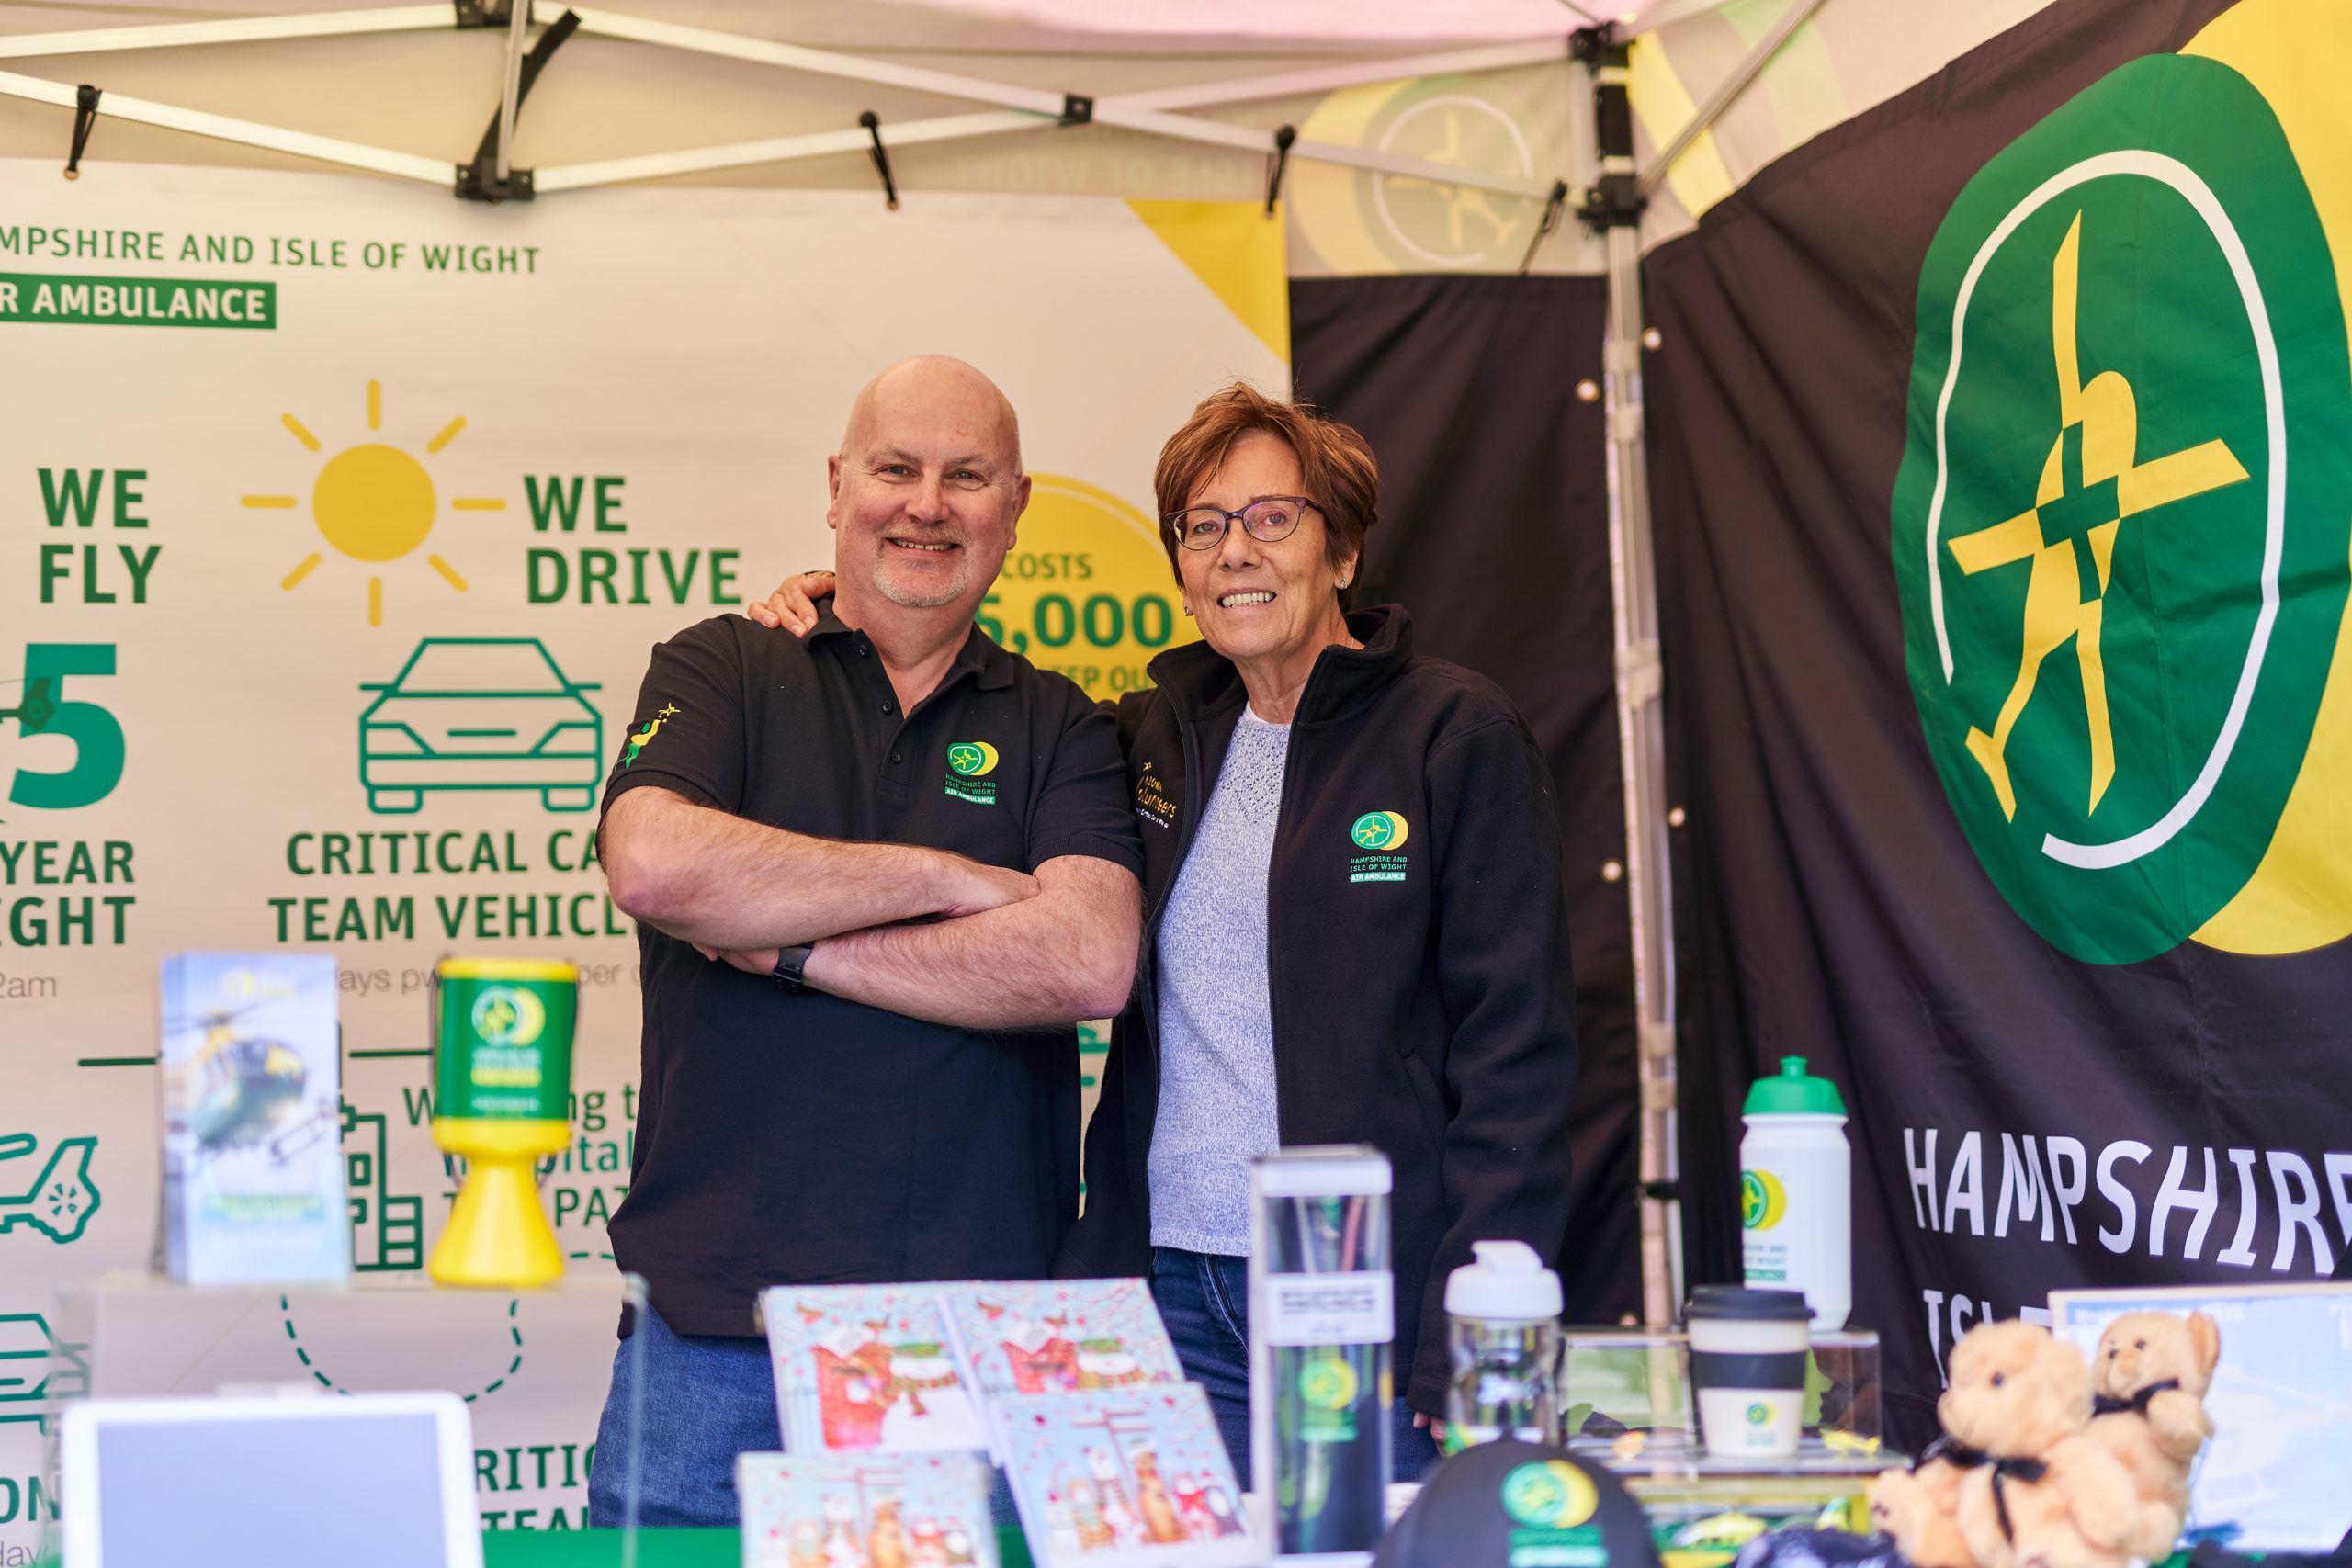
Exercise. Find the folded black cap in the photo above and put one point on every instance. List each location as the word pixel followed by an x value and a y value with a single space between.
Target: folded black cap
pixel 1511 1504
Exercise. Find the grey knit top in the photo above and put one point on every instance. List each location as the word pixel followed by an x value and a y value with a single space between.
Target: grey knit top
pixel 1217 1041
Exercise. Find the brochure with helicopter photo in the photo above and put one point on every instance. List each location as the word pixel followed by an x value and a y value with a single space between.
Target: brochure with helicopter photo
pixel 866 1368
pixel 252 1092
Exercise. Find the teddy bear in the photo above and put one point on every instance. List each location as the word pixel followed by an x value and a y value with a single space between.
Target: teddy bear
pixel 2016 1481
pixel 2149 1378
pixel 1920 1508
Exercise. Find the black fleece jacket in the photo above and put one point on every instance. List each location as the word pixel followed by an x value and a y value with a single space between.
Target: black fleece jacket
pixel 1418 958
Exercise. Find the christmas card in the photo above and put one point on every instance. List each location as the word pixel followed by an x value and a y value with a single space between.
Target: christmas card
pixel 1123 1478
pixel 866 1369
pixel 1039 1337
pixel 865 1511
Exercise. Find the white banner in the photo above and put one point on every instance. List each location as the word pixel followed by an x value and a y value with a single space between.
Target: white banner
pixel 336 520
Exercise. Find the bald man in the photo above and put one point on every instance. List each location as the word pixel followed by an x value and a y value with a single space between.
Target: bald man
pixel 878 876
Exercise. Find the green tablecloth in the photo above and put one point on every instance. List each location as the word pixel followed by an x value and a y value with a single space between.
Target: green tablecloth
pixel 655 1548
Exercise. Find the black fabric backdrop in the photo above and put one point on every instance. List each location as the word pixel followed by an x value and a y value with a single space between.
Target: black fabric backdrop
pixel 1833 908
pixel 1494 534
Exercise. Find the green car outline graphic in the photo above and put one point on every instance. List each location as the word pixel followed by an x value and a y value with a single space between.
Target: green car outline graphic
pixel 480 713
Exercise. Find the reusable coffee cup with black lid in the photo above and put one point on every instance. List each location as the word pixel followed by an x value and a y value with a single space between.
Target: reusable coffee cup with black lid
pixel 1748 1356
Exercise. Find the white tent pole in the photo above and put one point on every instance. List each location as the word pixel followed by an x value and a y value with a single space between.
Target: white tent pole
pixel 220 128
pixel 1047 104
pixel 1726 92
pixel 823 143
pixel 1325 79
pixel 781 150
pixel 794 57
pixel 1615 207
pixel 243 29
pixel 518 23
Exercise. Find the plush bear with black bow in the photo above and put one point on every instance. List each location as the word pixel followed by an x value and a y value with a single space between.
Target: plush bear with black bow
pixel 2027 1485
pixel 1919 1507
pixel 2149 1380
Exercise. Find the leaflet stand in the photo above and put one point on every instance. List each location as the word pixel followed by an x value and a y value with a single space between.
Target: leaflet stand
pixel 534 1367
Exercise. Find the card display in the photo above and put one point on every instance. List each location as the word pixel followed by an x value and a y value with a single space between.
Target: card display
pixel 1043 1336
pixel 872 1511
pixel 1123 1478
pixel 866 1369
pixel 252 1092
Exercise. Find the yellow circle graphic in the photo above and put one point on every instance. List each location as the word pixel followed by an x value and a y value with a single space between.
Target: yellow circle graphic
pixel 2300 896
pixel 1087 590
pixel 1362 221
pixel 373 502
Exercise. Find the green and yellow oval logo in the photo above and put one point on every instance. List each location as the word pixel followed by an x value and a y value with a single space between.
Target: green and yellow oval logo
pixel 971 758
pixel 1549 1493
pixel 2121 524
pixel 1379 830
pixel 1760 1415
pixel 1763 1199
pixel 505 1015
pixel 1329 1384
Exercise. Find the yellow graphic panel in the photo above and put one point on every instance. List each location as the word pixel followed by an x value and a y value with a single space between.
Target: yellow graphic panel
pixel 1699 178
pixel 1236 249
pixel 2300 895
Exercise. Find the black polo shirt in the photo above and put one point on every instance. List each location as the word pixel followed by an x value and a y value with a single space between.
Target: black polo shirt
pixel 805 1139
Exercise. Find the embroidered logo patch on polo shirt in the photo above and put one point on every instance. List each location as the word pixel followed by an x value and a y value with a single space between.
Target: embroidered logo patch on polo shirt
pixel 640 740
pixel 1384 833
pixel 967 763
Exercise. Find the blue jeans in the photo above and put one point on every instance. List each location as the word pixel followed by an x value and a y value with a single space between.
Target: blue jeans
pixel 1205 1302
pixel 708 1398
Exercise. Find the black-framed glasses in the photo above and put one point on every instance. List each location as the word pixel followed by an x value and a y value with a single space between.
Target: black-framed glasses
pixel 1269 521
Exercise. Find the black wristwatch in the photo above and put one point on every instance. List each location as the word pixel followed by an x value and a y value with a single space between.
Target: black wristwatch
pixel 789 962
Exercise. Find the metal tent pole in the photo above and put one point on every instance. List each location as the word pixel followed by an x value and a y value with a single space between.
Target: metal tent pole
pixel 1614 207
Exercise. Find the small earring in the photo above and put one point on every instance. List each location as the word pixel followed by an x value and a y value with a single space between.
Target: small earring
pixel 1188 607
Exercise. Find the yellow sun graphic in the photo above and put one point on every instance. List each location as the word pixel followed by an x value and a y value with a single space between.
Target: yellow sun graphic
pixel 374 503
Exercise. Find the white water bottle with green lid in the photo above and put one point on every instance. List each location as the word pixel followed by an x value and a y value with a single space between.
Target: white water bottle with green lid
pixel 1796 1192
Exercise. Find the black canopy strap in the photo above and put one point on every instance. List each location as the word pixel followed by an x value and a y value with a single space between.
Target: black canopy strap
pixel 881 156
pixel 1553 206
pixel 86 115
pixel 1278 163
pixel 2108 1404
pixel 478 181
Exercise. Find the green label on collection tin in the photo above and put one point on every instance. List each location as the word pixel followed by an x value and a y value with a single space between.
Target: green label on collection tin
pixel 504 1049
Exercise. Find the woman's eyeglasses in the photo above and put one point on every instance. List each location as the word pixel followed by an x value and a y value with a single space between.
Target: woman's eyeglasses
pixel 1269 521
